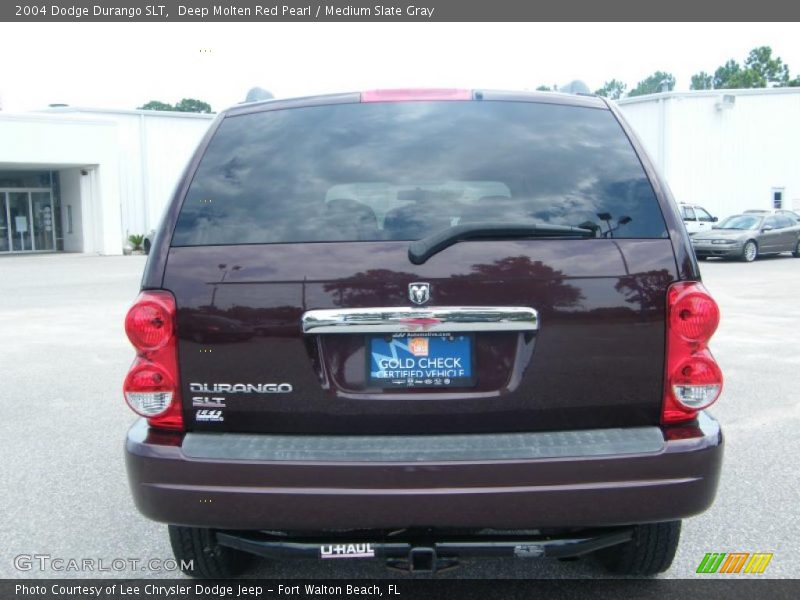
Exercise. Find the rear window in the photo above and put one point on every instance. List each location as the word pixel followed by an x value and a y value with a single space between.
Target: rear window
pixel 401 171
pixel 741 222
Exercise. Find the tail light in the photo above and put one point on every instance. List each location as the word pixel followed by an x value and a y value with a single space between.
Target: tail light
pixel 693 380
pixel 151 388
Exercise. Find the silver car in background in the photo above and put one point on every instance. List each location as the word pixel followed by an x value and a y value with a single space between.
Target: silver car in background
pixel 748 236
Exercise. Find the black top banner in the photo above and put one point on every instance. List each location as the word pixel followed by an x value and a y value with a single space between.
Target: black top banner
pixel 399 10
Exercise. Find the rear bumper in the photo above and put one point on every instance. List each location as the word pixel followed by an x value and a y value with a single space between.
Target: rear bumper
pixel 724 250
pixel 585 479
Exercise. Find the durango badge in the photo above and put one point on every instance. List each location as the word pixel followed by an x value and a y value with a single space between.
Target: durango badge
pixel 241 388
pixel 419 292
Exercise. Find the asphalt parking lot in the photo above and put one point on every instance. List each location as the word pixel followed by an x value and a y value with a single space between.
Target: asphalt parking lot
pixel 63 356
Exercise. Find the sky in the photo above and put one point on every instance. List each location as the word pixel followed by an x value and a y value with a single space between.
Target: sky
pixel 124 65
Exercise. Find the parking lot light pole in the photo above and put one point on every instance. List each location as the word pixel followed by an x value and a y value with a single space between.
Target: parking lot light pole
pixel 225 270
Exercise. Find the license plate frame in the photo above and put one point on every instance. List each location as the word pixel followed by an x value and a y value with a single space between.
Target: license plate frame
pixel 448 368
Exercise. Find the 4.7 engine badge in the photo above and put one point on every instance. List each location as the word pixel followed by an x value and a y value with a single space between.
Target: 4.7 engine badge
pixel 209 415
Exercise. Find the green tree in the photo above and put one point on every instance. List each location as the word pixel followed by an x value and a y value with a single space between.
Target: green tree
pixel 702 81
pixel 185 105
pixel 766 69
pixel 156 105
pixel 543 88
pixel 728 76
pixel 612 89
pixel 193 105
pixel 654 84
pixel 760 70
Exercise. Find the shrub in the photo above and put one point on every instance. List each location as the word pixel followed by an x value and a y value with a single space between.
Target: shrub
pixel 136 241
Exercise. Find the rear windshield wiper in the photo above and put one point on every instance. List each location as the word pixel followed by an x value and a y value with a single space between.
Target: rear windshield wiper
pixel 422 250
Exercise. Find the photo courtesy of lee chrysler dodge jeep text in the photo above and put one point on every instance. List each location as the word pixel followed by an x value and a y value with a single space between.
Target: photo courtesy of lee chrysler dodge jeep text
pixel 421 325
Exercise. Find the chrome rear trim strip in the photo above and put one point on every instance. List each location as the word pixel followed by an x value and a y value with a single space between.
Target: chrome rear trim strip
pixel 398 319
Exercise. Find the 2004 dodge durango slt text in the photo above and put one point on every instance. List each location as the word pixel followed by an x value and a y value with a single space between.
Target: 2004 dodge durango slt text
pixel 420 325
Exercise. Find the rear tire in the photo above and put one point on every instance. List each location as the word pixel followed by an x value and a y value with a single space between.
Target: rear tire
pixel 650 551
pixel 749 251
pixel 198 548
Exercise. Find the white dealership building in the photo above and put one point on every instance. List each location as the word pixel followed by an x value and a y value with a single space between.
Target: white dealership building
pixel 726 150
pixel 82 180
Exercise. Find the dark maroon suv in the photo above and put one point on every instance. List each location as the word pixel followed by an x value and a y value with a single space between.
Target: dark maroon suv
pixel 422 325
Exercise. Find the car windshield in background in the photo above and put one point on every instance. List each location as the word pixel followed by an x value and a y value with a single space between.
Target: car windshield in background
pixel 401 171
pixel 740 222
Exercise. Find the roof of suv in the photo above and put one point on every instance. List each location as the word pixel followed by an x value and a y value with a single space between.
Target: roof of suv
pixel 415 95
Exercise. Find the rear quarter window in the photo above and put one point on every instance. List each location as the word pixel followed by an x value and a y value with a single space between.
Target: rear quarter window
pixel 401 171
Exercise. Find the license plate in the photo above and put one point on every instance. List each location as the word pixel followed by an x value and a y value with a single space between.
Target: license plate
pixel 420 360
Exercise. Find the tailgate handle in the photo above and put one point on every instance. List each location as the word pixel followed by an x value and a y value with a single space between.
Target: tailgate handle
pixel 398 319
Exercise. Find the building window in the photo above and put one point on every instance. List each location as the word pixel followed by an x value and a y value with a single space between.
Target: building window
pixel 777 198
pixel 69 218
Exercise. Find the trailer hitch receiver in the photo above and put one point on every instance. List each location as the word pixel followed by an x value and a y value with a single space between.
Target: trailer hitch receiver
pixel 422 559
